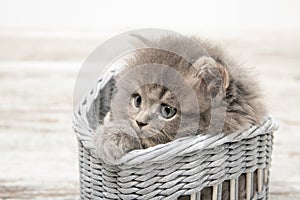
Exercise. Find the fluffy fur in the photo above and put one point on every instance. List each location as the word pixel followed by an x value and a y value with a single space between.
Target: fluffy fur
pixel 211 74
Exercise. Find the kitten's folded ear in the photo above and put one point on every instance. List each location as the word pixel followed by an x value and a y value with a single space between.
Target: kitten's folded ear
pixel 213 76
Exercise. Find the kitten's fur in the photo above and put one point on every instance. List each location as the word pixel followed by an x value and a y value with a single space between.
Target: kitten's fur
pixel 213 75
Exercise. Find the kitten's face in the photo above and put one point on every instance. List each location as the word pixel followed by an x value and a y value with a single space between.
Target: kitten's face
pixel 154 113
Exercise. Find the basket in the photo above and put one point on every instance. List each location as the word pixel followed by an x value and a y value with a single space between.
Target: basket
pixel 185 166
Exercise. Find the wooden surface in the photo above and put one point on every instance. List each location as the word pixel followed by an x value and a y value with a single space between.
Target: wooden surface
pixel 38 149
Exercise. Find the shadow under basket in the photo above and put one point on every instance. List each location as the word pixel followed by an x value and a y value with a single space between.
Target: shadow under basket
pixel 234 166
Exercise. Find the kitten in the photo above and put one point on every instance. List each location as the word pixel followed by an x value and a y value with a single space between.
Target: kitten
pixel 154 111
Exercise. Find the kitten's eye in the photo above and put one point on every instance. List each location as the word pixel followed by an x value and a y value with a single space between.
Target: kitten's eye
pixel 137 101
pixel 167 111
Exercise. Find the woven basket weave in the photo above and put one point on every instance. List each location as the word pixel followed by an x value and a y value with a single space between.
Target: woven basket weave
pixel 182 167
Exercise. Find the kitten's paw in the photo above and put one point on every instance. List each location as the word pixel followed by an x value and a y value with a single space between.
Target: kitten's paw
pixel 106 147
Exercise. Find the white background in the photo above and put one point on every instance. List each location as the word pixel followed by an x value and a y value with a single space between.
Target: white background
pixel 109 15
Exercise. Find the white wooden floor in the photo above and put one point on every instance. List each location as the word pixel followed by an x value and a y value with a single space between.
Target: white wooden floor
pixel 38 149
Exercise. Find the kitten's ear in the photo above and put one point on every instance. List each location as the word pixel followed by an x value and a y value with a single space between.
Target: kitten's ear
pixel 213 76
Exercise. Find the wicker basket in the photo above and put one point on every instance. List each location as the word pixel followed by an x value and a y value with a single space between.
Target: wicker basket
pixel 182 167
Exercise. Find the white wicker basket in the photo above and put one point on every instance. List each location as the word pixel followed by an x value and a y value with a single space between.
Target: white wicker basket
pixel 185 166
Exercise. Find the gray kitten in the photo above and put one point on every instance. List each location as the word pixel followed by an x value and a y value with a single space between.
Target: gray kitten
pixel 154 112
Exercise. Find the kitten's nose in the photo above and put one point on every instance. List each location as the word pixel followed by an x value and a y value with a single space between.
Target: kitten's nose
pixel 141 124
